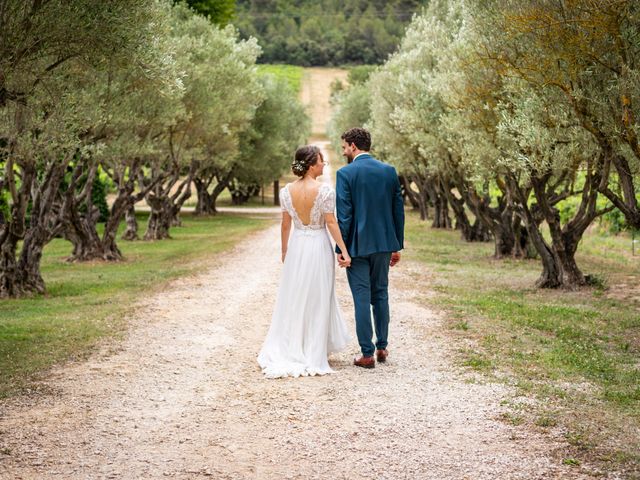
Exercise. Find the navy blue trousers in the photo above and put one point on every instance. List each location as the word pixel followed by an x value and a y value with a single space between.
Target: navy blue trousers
pixel 368 279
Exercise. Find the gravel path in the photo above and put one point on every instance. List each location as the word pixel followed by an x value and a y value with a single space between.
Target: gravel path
pixel 315 94
pixel 182 397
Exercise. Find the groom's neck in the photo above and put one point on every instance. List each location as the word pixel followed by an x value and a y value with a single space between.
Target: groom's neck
pixel 358 152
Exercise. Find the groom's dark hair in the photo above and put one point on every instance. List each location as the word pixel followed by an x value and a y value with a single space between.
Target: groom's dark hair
pixel 359 136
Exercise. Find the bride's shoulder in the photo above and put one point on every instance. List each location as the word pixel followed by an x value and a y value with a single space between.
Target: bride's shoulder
pixel 284 191
pixel 326 192
pixel 328 189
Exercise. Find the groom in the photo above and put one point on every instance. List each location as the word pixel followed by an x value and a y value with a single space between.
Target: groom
pixel 371 217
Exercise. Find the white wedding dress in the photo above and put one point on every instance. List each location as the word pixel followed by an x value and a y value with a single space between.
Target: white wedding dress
pixel 307 323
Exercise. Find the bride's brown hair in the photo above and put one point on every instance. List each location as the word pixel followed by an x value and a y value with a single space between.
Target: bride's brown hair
pixel 304 158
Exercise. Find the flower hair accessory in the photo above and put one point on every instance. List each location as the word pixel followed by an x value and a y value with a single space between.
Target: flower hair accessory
pixel 305 157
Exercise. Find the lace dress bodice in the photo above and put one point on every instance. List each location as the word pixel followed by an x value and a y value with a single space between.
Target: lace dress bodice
pixel 325 202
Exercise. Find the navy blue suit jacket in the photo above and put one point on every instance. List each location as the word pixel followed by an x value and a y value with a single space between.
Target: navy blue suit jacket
pixel 369 207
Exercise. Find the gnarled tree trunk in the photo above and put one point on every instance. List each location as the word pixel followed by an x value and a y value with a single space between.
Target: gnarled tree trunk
pixel 123 205
pixel 131 231
pixel 564 240
pixel 160 218
pixel 422 195
pixel 523 247
pixel 559 267
pixel 470 233
pixel 241 193
pixel 80 218
pixel 9 282
pixel 498 220
pixel 165 207
pixel 44 225
pixel 204 204
pixel 81 231
pixel 30 257
pixel 13 230
pixel 408 193
pixel 441 218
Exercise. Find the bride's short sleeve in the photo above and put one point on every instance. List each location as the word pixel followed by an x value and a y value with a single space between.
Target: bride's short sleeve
pixel 328 201
pixel 283 199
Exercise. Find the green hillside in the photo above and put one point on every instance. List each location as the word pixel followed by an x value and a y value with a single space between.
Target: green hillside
pixel 325 32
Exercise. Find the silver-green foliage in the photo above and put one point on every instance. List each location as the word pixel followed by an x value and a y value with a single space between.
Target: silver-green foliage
pixel 50 115
pixel 353 109
pixel 279 126
pixel 536 98
pixel 147 92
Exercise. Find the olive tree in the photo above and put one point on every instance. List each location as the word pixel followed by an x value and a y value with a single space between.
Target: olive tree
pixel 47 110
pixel 221 96
pixel 352 109
pixel 406 112
pixel 137 101
pixel 567 123
pixel 586 52
pixel 391 143
pixel 266 148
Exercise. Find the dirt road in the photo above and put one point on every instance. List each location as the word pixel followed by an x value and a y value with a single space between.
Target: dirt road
pixel 183 397
pixel 316 89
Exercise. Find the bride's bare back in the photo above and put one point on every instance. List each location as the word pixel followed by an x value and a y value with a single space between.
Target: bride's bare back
pixel 303 196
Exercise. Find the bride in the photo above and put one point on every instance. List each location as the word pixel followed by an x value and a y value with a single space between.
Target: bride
pixel 307 323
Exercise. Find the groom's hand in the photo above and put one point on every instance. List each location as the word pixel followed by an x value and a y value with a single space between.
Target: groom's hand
pixel 395 258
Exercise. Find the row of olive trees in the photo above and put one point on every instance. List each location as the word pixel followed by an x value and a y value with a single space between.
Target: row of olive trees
pixel 148 93
pixel 511 109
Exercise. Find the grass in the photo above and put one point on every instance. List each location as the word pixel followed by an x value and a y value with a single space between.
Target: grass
pixel 291 73
pixel 89 301
pixel 576 351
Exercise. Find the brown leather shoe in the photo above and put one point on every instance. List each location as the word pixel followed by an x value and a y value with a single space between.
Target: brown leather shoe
pixel 364 362
pixel 381 355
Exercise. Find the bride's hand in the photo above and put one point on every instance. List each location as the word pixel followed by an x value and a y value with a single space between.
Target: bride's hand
pixel 344 260
pixel 284 254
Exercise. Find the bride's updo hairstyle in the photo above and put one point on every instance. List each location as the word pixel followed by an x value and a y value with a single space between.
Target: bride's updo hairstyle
pixel 305 157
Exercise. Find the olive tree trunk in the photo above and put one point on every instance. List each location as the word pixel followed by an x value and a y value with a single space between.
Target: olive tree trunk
pixel 165 206
pixel 408 193
pixel 421 197
pixel 131 231
pixel 438 197
pixel 206 204
pixel 44 225
pixel 559 266
pixel 476 232
pixel 496 219
pixel 13 230
pixel 81 216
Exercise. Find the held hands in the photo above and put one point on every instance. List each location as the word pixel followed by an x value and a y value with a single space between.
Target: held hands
pixel 395 258
pixel 344 260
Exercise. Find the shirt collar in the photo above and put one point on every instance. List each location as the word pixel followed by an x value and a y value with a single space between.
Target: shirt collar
pixel 360 155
